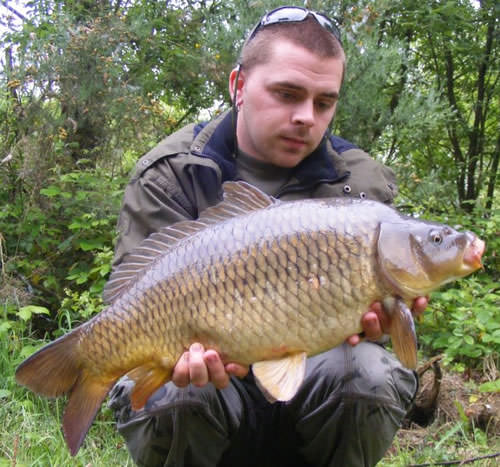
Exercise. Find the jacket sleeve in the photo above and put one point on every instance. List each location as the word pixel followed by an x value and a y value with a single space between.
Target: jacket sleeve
pixel 153 199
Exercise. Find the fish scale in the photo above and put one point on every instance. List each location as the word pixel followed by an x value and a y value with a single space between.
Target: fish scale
pixel 285 261
pixel 260 281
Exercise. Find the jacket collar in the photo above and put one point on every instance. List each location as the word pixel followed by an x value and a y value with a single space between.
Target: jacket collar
pixel 215 140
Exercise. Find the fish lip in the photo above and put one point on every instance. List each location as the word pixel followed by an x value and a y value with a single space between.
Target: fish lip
pixel 474 252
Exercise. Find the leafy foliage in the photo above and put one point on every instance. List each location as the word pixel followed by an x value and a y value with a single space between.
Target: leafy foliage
pixel 429 72
pixel 463 321
pixel 30 432
pixel 61 244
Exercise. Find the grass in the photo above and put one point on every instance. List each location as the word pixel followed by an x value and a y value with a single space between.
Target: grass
pixel 30 433
pixel 441 443
pixel 30 426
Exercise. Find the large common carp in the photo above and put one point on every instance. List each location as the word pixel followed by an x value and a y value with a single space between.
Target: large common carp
pixel 261 281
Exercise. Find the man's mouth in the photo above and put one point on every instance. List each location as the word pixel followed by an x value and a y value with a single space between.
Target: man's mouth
pixel 297 142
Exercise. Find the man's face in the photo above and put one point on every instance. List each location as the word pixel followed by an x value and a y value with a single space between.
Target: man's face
pixel 287 104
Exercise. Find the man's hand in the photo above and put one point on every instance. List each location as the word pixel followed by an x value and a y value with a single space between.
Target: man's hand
pixel 376 322
pixel 199 367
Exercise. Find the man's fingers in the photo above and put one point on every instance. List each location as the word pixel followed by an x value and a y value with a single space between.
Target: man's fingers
pixel 376 321
pixel 216 371
pixel 419 305
pixel 180 375
pixel 237 370
pixel 198 372
pixel 199 367
pixel 372 323
pixel 353 340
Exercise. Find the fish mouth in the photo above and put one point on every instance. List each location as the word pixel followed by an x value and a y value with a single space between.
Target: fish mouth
pixel 474 252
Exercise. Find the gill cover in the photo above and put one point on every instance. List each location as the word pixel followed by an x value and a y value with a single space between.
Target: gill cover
pixel 416 256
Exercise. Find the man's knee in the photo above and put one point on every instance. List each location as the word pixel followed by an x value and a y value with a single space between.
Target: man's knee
pixel 168 430
pixel 366 370
pixel 351 405
pixel 377 374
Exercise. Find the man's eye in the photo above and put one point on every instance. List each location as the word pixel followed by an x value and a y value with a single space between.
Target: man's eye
pixel 324 105
pixel 285 95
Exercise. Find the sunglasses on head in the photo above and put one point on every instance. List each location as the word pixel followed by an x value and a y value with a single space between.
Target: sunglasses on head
pixel 294 14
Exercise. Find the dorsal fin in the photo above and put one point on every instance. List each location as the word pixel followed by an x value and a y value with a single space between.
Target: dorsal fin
pixel 238 198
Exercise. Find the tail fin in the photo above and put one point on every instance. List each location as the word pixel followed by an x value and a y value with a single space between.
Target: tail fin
pixel 55 370
pixel 84 402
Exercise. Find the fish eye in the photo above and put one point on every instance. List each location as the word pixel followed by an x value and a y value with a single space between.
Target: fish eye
pixel 436 238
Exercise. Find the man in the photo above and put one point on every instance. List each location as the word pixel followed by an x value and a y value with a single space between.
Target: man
pixel 285 91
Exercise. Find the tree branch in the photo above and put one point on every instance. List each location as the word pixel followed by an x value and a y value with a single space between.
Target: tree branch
pixel 13 10
pixel 476 141
pixel 493 175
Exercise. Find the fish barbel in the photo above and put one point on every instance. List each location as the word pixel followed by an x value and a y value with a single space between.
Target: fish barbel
pixel 260 281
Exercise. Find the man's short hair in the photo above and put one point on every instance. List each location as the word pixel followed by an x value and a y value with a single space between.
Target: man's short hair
pixel 308 34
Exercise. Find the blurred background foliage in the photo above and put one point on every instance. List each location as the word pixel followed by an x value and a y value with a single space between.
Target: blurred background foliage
pixel 86 87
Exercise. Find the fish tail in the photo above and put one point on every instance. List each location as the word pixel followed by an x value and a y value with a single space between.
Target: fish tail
pixel 403 336
pixel 55 370
pixel 85 399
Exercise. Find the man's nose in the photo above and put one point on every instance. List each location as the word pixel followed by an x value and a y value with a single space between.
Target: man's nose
pixel 303 113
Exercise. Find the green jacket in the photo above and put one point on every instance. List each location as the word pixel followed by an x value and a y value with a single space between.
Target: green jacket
pixel 184 173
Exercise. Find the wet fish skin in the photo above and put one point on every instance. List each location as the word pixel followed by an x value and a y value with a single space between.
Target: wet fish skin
pixel 259 282
pixel 256 280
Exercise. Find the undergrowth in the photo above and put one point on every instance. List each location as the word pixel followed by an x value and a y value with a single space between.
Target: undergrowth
pixel 30 426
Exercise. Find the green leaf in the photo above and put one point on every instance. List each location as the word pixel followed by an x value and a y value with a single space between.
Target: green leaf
pixel 88 245
pixel 469 340
pixel 5 326
pixel 491 386
pixel 26 312
pixel 28 350
pixel 461 411
pixel 50 191
pixel 4 393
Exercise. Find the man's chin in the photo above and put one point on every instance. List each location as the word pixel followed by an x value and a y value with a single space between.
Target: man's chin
pixel 289 160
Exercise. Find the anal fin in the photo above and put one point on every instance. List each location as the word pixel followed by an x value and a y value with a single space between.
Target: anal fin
pixel 148 378
pixel 279 380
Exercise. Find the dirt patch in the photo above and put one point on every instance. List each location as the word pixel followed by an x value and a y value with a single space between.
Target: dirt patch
pixel 446 397
pixel 443 401
pixel 459 396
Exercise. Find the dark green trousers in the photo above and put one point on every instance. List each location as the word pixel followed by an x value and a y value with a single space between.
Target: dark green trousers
pixel 346 413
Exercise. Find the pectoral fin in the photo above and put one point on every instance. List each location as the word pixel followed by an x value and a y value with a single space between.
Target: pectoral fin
pixel 280 379
pixel 403 336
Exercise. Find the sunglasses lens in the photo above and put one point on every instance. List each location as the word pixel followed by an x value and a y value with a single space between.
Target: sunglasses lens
pixel 285 14
pixel 296 14
pixel 328 24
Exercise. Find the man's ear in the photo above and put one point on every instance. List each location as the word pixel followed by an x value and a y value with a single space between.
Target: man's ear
pixel 236 83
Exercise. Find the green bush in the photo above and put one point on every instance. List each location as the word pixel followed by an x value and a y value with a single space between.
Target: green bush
pixel 464 323
pixel 463 320
pixel 59 247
